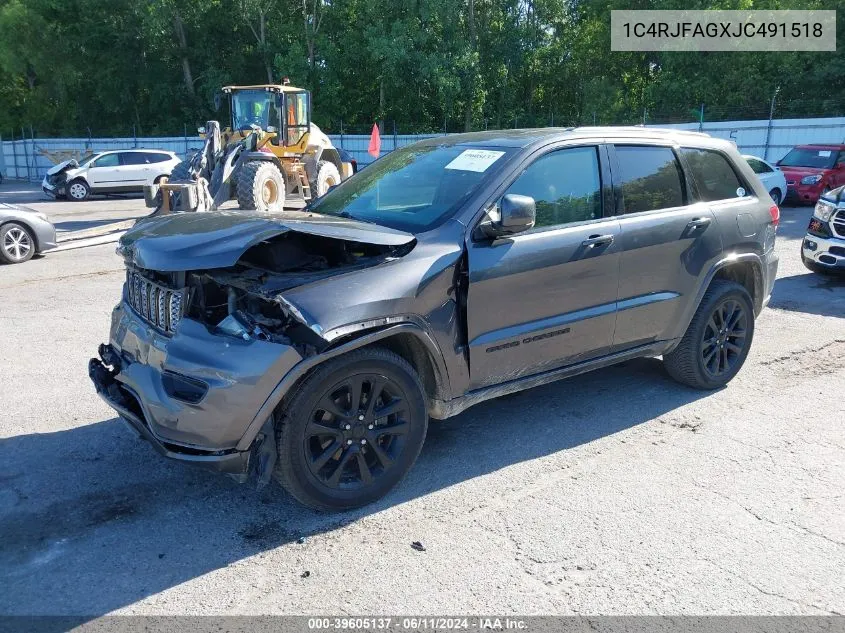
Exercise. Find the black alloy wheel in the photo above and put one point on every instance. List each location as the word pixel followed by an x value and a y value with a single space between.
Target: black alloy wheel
pixel 723 342
pixel 351 430
pixel 357 431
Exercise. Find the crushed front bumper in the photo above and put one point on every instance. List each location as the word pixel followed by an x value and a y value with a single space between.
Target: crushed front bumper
pixel 194 395
pixel 828 252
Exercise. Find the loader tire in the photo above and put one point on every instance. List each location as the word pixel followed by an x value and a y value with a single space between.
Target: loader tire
pixel 327 176
pixel 261 186
pixel 181 170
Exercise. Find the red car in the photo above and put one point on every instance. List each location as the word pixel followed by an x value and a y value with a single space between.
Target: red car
pixel 812 170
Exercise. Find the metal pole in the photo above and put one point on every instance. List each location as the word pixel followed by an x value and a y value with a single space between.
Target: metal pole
pixel 32 149
pixel 769 127
pixel 15 154
pixel 394 133
pixel 341 134
pixel 25 157
pixel 134 136
pixel 185 134
pixel 701 119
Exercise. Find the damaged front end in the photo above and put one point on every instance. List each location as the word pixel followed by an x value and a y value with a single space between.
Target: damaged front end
pixel 194 353
pixel 55 180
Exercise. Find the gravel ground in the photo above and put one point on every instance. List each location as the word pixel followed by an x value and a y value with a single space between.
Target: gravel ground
pixel 616 492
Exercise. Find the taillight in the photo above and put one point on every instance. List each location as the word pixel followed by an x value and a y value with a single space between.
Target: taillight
pixel 774 211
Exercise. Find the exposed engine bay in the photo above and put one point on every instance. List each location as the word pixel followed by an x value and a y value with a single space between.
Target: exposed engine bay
pixel 246 300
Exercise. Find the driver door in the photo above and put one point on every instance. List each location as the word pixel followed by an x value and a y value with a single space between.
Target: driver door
pixel 547 297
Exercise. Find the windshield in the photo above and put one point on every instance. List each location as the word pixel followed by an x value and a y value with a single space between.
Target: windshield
pixel 806 157
pixel 87 159
pixel 254 107
pixel 413 188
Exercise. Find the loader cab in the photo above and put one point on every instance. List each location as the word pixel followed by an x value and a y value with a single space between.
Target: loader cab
pixel 282 110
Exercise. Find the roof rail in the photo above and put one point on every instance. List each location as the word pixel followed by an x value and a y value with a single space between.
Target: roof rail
pixel 640 128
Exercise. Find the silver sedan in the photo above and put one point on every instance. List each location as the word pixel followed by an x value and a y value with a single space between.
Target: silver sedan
pixel 23 233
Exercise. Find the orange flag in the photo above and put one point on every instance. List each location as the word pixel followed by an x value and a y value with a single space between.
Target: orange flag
pixel 375 142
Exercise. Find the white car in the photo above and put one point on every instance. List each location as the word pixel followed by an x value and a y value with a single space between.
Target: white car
pixel 118 171
pixel 772 178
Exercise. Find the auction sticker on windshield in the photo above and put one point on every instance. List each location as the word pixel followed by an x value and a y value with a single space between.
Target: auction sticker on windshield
pixel 474 160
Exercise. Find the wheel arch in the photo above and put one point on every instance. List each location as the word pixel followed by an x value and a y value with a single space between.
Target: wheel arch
pixel 32 232
pixel 745 269
pixel 409 340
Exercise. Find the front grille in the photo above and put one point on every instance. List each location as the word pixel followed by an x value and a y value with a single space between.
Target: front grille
pixel 837 223
pixel 156 304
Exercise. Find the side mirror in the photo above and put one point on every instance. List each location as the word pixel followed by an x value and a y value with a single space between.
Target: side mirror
pixel 517 214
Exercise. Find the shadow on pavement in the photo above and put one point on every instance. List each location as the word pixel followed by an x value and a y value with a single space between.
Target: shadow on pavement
pixel 92 519
pixel 812 293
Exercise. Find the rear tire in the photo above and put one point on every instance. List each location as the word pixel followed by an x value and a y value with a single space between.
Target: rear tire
pixel 327 176
pixel 261 186
pixel 717 341
pixel 775 196
pixel 351 431
pixel 17 244
pixel 77 190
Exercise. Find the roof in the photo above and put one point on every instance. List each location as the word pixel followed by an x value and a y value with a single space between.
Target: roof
pixel 820 146
pixel 271 87
pixel 521 138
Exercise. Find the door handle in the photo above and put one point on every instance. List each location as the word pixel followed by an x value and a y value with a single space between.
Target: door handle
pixel 699 223
pixel 597 240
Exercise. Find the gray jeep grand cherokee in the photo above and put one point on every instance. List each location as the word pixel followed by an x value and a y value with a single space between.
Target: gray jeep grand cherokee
pixel 314 346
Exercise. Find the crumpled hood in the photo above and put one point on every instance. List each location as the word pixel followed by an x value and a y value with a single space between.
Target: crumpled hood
pixel 199 241
pixel 62 166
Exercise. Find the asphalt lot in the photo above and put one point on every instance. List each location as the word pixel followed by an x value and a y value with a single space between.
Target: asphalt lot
pixel 617 492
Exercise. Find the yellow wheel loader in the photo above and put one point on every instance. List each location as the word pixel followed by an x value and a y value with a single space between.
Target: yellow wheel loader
pixel 271 152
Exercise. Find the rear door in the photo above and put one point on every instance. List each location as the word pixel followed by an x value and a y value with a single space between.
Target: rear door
pixel 135 168
pixel 668 240
pixel 547 297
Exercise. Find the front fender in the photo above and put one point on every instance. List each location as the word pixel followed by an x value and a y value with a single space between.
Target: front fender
pixel 307 364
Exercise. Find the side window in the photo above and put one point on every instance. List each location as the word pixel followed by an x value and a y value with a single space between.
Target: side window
pixel 758 166
pixel 109 160
pixel 651 178
pixel 565 184
pixel 713 174
pixel 133 158
pixel 156 157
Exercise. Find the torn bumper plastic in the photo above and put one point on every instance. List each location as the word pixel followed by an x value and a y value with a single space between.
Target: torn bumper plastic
pixel 194 395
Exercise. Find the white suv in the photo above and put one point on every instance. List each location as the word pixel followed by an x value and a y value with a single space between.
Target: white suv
pixel 118 171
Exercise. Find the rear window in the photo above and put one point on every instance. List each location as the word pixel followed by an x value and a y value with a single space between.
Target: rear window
pixel 651 178
pixel 807 157
pixel 713 174
pixel 758 166
pixel 157 157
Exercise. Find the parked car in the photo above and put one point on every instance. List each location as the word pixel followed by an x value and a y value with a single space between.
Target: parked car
pixel 314 346
pixel 771 177
pixel 108 172
pixel 348 158
pixel 823 247
pixel 24 232
pixel 812 170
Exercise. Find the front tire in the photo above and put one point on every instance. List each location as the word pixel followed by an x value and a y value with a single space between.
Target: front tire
pixel 351 431
pixel 261 186
pixel 717 341
pixel 17 244
pixel 78 190
pixel 775 196
pixel 327 176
